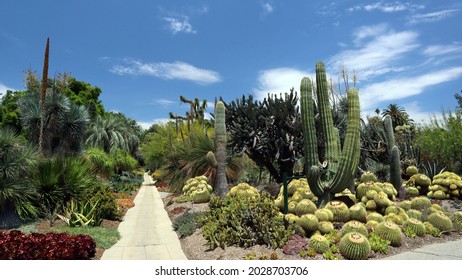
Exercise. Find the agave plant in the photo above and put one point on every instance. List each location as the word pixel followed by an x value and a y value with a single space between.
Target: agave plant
pixel 17 159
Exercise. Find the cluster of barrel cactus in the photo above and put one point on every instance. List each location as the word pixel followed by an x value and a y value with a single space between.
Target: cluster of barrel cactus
pixel 445 185
pixel 374 195
pixel 197 190
pixel 298 190
pixel 243 190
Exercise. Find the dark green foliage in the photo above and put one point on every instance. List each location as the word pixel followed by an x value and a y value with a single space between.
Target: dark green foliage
pixel 244 222
pixel 269 132
pixel 104 196
pixel 58 180
pixel 17 159
pixel 9 111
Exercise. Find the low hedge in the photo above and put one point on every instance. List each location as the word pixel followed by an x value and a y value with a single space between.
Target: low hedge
pixel 15 245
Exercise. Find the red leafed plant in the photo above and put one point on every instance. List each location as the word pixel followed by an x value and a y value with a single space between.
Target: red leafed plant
pixel 15 245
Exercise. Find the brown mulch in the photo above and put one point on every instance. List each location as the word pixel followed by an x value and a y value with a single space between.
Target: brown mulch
pixel 195 246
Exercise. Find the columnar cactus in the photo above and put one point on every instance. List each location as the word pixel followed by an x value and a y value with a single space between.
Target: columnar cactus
pixel 341 163
pixel 221 183
pixel 394 155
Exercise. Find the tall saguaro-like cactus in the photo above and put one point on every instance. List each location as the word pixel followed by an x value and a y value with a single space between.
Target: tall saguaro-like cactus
pixel 221 183
pixel 394 154
pixel 337 171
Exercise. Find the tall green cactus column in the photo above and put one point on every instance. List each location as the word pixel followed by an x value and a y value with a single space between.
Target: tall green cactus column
pixel 394 154
pixel 338 174
pixel 221 183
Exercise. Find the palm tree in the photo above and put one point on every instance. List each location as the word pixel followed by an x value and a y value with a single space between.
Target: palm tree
pixel 108 133
pixel 65 123
pixel 398 115
pixel 17 158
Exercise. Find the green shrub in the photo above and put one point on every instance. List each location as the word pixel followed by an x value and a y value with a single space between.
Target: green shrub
pixel 378 244
pixel 244 222
pixel 186 224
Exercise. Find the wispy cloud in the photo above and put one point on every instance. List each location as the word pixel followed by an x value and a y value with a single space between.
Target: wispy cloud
pixel 400 88
pixel 267 8
pixel 432 17
pixel 179 24
pixel 279 80
pixel 377 56
pixel 436 50
pixel 386 7
pixel 177 70
pixel 163 102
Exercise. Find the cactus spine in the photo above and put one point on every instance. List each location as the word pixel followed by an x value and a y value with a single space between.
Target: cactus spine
pixel 221 183
pixel 393 152
pixel 342 163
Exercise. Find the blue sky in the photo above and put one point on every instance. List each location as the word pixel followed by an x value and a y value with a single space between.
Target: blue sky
pixel 145 54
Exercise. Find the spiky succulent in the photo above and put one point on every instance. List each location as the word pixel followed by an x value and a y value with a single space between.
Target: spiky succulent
pixel 368 177
pixel 305 206
pixel 414 226
pixel 405 205
pixel 412 191
pixel 339 209
pixel 243 190
pixel 292 218
pixel 358 213
pixel 411 170
pixel 371 225
pixel 355 246
pixel 201 195
pixel 375 217
pixel 325 227
pixel 381 199
pixel 292 205
pixel 440 221
pixel 420 203
pixel 415 214
pixel 319 243
pixel 354 226
pixel 324 214
pixel 309 222
pixel 389 231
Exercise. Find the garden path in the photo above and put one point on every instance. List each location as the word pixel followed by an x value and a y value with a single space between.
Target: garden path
pixel 146 230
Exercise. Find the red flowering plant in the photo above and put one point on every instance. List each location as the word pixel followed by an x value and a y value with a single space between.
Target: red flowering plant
pixel 15 245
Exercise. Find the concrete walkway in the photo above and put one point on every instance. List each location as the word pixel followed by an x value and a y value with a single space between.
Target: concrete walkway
pixel 451 250
pixel 146 230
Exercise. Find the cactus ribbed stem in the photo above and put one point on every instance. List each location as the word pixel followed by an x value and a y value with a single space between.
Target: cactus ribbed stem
pixel 327 123
pixel 393 153
pixel 221 184
pixel 309 130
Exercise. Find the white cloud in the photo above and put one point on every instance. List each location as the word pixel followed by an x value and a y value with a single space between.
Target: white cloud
pixel 267 8
pixel 4 88
pixel 177 70
pixel 432 17
pixel 379 55
pixel 148 124
pixel 435 50
pixel 400 88
pixel 386 7
pixel 163 102
pixel 179 24
pixel 279 80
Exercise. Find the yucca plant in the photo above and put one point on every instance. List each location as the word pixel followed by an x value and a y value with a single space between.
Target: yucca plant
pixel 189 159
pixel 17 159
pixel 58 180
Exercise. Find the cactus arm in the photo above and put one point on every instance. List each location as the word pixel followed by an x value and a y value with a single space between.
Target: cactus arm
pixel 389 130
pixel 221 183
pixel 395 168
pixel 308 126
pixel 327 122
